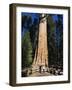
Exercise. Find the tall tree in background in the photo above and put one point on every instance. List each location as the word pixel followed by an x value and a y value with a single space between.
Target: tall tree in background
pixel 52 50
pixel 29 39
pixel 55 40
pixel 26 42
pixel 59 33
pixel 34 34
pixel 26 50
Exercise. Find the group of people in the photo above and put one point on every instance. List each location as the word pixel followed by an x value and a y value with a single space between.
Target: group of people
pixel 54 71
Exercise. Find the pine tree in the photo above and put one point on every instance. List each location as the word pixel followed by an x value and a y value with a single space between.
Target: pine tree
pixel 52 50
pixel 26 50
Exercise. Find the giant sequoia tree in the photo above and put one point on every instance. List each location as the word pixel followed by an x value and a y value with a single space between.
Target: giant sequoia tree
pixel 30 30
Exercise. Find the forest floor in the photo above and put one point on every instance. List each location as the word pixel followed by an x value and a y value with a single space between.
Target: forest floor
pixel 40 74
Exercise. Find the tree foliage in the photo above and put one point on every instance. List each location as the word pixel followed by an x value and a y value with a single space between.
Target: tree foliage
pixel 59 31
pixel 55 40
pixel 26 50
pixel 29 39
